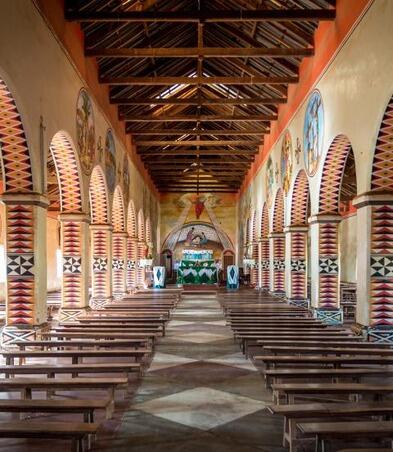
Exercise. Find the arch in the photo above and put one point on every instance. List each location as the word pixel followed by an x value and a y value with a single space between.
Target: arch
pixel 265 221
pixel 98 195
pixel 382 168
pixel 141 225
pixel 68 172
pixel 148 230
pixel 300 198
pixel 332 174
pixel 253 226
pixel 278 212
pixel 118 217
pixel 15 155
pixel 131 219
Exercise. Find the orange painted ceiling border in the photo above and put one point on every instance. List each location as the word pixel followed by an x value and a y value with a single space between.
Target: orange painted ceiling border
pixel 328 38
pixel 71 37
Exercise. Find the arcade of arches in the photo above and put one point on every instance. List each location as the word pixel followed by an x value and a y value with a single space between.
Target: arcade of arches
pixel 135 134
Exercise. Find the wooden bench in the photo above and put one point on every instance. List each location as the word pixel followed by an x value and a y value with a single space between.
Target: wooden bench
pixel 324 432
pixel 76 355
pixel 293 390
pixel 26 386
pixel 74 369
pixel 355 374
pixel 78 328
pixel 334 361
pixel 76 432
pixel 115 343
pixel 293 413
pixel 116 323
pixel 326 350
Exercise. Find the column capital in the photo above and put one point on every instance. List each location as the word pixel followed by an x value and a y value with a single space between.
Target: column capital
pixel 74 216
pixel 325 218
pixel 120 234
pixel 374 198
pixel 101 227
pixel 276 235
pixel 28 198
pixel 295 228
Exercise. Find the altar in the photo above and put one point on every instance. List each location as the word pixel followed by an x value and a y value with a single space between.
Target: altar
pixel 197 267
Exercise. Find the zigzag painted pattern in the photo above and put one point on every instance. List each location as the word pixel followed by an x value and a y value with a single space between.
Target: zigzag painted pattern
pixel 140 273
pixel 300 196
pixel 131 220
pixel 278 213
pixel 278 254
pixel 132 255
pixel 382 171
pixel 21 301
pixel 141 225
pixel 13 146
pixel 119 274
pixel 100 278
pixel 265 272
pixel 381 288
pixel 328 248
pixel 333 169
pixel 118 218
pixel 265 222
pixel 298 278
pixel 98 197
pixel 71 238
pixel 20 229
pixel 67 173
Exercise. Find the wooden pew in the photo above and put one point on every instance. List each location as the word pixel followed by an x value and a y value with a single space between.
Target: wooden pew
pixel 74 369
pixel 273 376
pixel 76 432
pixel 27 385
pixel 333 361
pixel 105 329
pixel 122 322
pixel 115 343
pixel 300 412
pixel 323 432
pixel 293 390
pixel 319 350
pixel 76 355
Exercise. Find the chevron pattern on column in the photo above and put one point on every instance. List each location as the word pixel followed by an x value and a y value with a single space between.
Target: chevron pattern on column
pixel 98 197
pixel 333 168
pixel 382 171
pixel 279 264
pixel 298 265
pixel 328 265
pixel 300 196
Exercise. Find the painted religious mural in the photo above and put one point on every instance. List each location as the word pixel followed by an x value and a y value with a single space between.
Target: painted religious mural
pixel 85 131
pixel 269 181
pixel 313 133
pixel 286 162
pixel 110 161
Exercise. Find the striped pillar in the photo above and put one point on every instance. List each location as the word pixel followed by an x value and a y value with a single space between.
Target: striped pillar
pixel 296 263
pixel 101 258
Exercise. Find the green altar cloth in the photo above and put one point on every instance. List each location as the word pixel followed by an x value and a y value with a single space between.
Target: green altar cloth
pixel 195 272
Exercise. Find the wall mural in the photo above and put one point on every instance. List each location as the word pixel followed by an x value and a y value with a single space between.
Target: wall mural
pixel 85 131
pixel 110 161
pixel 313 133
pixel 286 162
pixel 269 181
pixel 126 177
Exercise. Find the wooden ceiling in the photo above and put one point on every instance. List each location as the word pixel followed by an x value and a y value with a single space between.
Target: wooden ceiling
pixel 198 82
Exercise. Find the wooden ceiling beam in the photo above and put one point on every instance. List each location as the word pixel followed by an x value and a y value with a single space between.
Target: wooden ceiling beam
pixel 198 143
pixel 197 118
pixel 164 152
pixel 200 52
pixel 257 100
pixel 240 15
pixel 217 80
pixel 191 132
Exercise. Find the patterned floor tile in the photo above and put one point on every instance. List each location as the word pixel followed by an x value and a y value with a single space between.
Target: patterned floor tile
pixel 200 338
pixel 202 408
pixel 234 360
pixel 165 360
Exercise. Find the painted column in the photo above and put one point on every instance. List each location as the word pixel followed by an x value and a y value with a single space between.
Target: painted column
pixel 119 264
pixel 132 257
pixel 75 280
pixel 25 249
pixel 140 281
pixel 325 267
pixel 254 268
pixel 101 257
pixel 264 264
pixel 374 272
pixel 296 264
pixel 277 263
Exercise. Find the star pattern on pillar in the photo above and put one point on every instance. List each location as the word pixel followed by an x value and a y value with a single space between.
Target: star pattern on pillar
pixel 131 265
pixel 298 265
pixel 20 264
pixel 118 264
pixel 72 265
pixel 278 264
pixel 265 265
pixel 100 264
pixel 328 265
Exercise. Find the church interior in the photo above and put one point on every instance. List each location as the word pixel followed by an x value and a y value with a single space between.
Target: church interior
pixel 196 241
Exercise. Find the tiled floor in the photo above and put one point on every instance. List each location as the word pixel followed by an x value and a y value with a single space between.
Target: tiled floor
pixel 199 395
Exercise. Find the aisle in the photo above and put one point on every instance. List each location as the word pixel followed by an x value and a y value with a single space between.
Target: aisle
pixel 200 393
